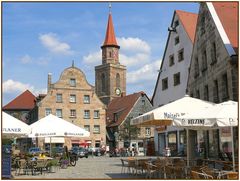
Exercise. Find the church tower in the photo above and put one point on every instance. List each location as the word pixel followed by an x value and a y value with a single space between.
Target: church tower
pixel 110 76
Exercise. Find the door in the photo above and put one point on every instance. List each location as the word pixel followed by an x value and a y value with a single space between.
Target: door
pixel 161 143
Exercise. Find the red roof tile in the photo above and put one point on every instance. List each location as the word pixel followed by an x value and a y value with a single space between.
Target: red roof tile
pixel 121 105
pixel 110 35
pixel 26 100
pixel 228 15
pixel 189 22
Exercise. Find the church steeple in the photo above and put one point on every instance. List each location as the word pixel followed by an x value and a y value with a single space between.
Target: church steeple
pixel 110 39
pixel 110 48
pixel 110 76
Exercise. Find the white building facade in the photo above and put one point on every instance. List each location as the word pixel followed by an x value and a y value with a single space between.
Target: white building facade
pixel 173 75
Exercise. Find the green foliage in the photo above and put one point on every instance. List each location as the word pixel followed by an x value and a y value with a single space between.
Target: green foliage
pixel 7 141
pixel 53 162
pixel 128 132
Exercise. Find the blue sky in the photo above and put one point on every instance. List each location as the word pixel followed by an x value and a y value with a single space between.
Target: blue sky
pixel 41 38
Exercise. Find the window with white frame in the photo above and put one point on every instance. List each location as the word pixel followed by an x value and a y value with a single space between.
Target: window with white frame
pixel 48 111
pixel 86 114
pixel 86 99
pixel 58 97
pixel 72 82
pixel 72 98
pixel 96 129
pixel 147 131
pixel 73 113
pixel 59 113
pixel 96 114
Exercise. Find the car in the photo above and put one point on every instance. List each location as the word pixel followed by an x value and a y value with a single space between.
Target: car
pixel 34 151
pixel 80 152
pixel 57 151
pixel 83 152
pixel 99 152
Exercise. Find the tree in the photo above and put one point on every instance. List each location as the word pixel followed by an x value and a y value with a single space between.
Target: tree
pixel 128 132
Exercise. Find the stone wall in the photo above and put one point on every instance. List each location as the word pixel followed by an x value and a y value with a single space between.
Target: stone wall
pixel 207 34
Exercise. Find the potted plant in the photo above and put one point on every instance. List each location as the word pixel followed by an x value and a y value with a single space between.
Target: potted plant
pixel 51 164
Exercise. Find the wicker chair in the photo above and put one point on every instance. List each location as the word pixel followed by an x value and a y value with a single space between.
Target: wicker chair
pixel 199 175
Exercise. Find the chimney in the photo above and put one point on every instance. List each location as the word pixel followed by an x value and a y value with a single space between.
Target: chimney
pixel 49 81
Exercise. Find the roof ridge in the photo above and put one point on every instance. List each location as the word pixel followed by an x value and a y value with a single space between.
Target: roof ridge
pixel 185 12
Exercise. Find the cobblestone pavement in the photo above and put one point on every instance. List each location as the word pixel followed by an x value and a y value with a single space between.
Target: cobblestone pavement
pixel 87 168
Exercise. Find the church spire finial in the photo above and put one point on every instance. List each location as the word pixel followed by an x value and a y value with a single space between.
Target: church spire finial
pixel 110 7
pixel 72 63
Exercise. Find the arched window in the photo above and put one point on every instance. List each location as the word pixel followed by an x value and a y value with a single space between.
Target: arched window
pixel 117 80
pixel 103 83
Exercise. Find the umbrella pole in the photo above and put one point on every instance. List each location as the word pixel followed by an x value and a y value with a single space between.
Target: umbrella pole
pixel 50 149
pixel 187 147
pixel 233 156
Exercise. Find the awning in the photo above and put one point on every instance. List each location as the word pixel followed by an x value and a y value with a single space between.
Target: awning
pixel 163 116
pixel 55 140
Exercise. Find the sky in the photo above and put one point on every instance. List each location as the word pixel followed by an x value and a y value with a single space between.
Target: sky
pixel 46 37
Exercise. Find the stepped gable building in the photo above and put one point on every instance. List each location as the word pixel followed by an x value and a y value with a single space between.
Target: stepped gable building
pixel 73 99
pixel 214 64
pixel 172 78
pixel 110 76
pixel 119 113
pixel 21 106
pixel 173 75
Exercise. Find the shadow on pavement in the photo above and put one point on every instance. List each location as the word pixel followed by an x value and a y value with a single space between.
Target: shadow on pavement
pixel 124 176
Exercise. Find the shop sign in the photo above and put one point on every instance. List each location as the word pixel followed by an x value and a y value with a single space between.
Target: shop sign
pixel 169 115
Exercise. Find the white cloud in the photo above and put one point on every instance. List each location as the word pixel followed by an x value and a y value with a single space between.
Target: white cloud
pixel 26 59
pixel 134 60
pixel 133 45
pixel 134 52
pixel 147 73
pixel 53 44
pixel 93 58
pixel 11 86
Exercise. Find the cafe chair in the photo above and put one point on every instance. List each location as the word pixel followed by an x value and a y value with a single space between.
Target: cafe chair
pixel 199 175
pixel 40 166
pixel 228 175
pixel 151 170
pixel 21 165
pixel 124 166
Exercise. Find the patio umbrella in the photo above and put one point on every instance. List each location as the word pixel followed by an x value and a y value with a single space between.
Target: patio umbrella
pixel 163 116
pixel 13 127
pixel 53 126
pixel 220 115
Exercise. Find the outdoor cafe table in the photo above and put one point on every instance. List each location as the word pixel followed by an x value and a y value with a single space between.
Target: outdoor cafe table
pixel 43 158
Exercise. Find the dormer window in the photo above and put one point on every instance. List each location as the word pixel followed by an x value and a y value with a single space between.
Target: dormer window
pixel 72 82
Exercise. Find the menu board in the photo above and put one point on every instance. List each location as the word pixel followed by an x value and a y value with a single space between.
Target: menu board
pixel 6 161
